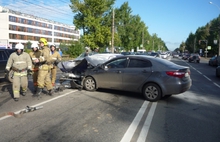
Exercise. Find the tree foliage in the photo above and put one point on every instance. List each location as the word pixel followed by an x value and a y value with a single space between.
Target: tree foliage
pixel 203 37
pixel 94 18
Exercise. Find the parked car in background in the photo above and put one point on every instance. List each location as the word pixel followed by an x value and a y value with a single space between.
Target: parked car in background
pixel 213 61
pixel 128 53
pixel 152 77
pixel 194 58
pixel 185 56
pixel 163 55
pixel 4 55
pixel 155 54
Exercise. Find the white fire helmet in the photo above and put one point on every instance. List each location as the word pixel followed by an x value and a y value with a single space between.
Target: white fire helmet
pixel 19 46
pixel 34 45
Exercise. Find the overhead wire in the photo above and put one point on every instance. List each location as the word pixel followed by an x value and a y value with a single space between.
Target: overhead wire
pixel 49 13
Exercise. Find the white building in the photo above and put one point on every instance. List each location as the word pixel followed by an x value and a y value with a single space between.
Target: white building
pixel 18 27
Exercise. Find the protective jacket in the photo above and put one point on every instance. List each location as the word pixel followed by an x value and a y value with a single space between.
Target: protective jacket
pixel 45 57
pixel 35 55
pixel 55 56
pixel 19 63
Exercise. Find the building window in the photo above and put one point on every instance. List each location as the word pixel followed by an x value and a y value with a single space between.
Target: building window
pixel 12 18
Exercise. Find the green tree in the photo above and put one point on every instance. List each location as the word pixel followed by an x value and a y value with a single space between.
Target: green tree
pixel 90 18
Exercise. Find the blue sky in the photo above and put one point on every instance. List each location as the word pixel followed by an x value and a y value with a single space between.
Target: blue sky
pixel 171 20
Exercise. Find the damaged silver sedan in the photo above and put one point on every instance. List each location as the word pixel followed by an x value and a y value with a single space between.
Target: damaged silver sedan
pixel 153 77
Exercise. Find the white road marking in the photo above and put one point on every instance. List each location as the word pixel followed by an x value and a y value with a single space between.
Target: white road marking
pixel 134 125
pixel 203 75
pixel 132 128
pixel 207 78
pixel 144 131
pixel 55 98
pixel 216 84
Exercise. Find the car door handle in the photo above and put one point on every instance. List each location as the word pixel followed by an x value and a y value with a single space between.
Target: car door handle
pixel 144 71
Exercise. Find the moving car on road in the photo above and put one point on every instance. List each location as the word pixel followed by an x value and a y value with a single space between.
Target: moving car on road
pixel 153 77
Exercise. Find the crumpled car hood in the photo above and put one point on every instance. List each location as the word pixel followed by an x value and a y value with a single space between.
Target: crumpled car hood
pixel 81 65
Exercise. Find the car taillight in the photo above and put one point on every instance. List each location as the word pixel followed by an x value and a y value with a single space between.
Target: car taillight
pixel 179 74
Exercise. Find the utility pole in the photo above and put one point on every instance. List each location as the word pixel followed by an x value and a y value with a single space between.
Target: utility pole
pixel 219 42
pixel 194 46
pixel 113 30
pixel 142 39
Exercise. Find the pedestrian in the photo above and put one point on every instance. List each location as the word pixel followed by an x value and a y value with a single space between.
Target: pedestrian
pixel 44 72
pixel 20 63
pixel 56 59
pixel 35 54
pixel 61 53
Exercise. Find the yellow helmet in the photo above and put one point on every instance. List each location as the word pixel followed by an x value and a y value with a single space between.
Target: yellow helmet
pixel 43 40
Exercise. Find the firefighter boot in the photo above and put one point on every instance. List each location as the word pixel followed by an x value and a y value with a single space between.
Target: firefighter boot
pixel 50 92
pixel 39 91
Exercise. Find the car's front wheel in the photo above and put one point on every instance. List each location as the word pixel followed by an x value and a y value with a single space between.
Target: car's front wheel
pixel 152 92
pixel 89 84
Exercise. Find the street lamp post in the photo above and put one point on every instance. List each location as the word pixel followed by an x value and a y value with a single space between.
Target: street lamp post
pixel 218 28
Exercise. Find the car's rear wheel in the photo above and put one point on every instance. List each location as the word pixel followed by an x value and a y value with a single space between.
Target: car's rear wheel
pixel 152 92
pixel 89 84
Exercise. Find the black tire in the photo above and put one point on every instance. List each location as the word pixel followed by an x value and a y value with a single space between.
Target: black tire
pixel 89 84
pixel 152 92
pixel 9 76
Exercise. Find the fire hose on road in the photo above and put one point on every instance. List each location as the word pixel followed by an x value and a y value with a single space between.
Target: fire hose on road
pixel 20 114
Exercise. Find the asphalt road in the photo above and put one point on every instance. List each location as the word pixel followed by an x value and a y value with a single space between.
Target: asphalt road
pixel 107 115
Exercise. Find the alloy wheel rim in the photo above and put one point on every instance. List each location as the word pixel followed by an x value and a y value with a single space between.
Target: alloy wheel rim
pixel 151 92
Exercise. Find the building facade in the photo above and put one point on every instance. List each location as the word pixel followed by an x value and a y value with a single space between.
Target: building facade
pixel 18 27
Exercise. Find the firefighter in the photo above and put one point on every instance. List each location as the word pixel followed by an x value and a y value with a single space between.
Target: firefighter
pixel 56 59
pixel 20 63
pixel 36 53
pixel 44 72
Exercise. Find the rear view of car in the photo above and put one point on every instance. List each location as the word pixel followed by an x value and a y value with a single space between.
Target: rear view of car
pixel 194 58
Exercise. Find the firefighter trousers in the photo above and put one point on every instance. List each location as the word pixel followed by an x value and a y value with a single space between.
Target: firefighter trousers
pixel 43 78
pixel 53 74
pixel 35 74
pixel 20 80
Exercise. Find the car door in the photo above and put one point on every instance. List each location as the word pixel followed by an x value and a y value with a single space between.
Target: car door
pixel 111 76
pixel 3 62
pixel 136 74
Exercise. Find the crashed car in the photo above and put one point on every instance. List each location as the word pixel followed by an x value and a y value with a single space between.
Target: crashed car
pixel 152 77
pixel 74 70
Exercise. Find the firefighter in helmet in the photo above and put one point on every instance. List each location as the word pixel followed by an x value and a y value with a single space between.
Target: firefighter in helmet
pixel 20 63
pixel 35 54
pixel 56 59
pixel 44 72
